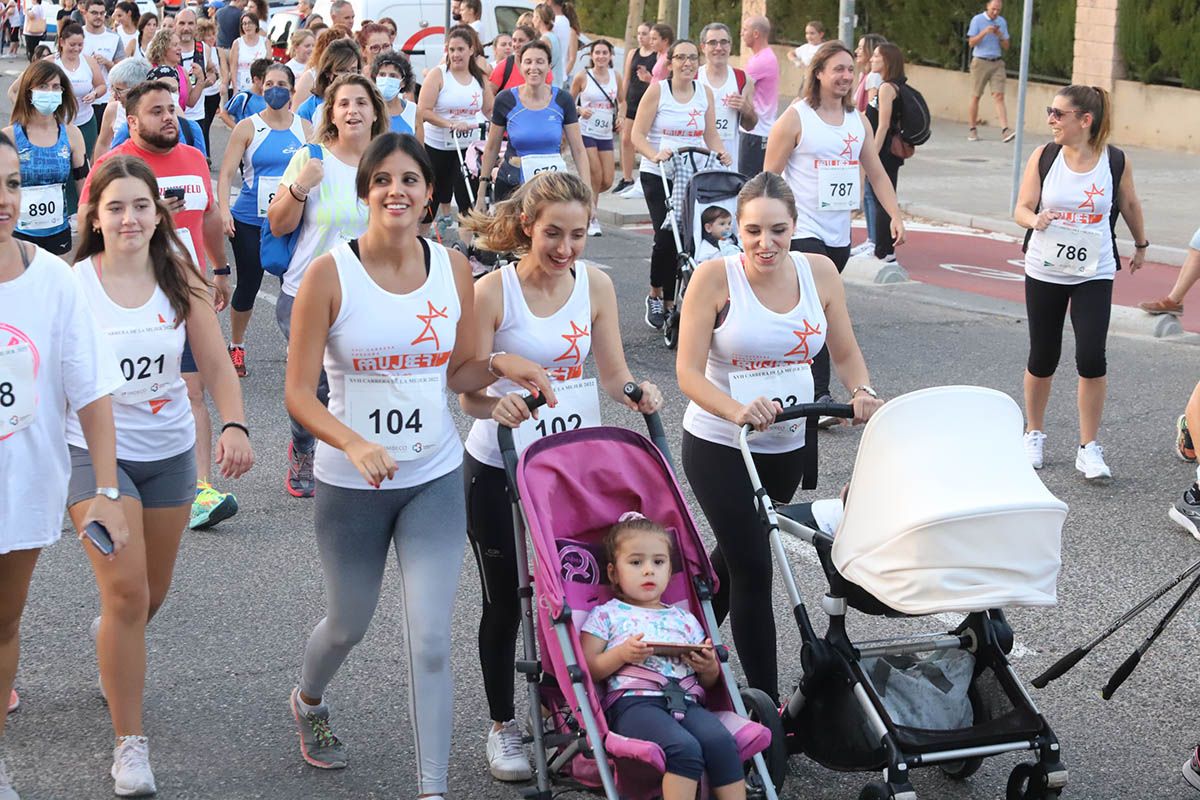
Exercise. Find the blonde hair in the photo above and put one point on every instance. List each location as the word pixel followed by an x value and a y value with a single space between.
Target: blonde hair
pixel 503 231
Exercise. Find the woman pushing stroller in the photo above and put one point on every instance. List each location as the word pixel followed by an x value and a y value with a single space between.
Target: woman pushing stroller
pixel 750 327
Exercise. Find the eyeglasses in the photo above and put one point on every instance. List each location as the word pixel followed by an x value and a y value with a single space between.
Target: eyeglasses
pixel 718 43
pixel 376 48
pixel 1058 113
pixel 687 58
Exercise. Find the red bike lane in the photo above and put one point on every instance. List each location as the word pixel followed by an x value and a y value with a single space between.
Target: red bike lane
pixel 990 264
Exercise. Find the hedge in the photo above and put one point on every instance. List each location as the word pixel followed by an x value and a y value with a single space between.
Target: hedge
pixel 1159 38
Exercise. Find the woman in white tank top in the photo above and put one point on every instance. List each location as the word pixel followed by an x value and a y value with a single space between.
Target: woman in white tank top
pixel 390 317
pixel 751 326
pixel 551 308
pixel 1071 260
pixel 247 48
pixel 599 92
pixel 674 113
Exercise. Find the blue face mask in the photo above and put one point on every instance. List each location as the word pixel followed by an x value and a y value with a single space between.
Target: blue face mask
pixel 46 101
pixel 277 97
pixel 389 86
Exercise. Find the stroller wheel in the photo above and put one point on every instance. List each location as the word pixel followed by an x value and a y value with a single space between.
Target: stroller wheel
pixel 670 330
pixel 1028 782
pixel 875 790
pixel 760 709
pixel 961 770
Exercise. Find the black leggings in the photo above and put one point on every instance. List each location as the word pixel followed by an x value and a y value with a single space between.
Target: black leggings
pixel 839 256
pixel 742 557
pixel 31 43
pixel 246 254
pixel 1046 305
pixel 883 220
pixel 211 104
pixel 448 179
pixel 490 531
pixel 664 257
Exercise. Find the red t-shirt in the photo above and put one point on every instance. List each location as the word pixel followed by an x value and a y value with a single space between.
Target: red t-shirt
pixel 515 78
pixel 184 167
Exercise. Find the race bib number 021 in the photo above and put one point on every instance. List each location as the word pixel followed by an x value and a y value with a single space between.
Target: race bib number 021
pixel 788 385
pixel 401 412
pixel 17 397
pixel 578 407
pixel 838 185
pixel 146 365
pixel 1072 250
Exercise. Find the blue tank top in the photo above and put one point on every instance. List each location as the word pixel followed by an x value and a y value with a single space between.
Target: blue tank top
pixel 263 163
pixel 44 166
pixel 310 109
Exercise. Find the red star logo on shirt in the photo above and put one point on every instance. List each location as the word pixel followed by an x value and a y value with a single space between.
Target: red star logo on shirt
pixel 572 352
pixel 474 98
pixel 1091 195
pixel 801 348
pixel 428 334
pixel 692 116
pixel 849 140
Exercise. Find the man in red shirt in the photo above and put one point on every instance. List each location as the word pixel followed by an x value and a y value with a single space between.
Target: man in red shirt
pixel 186 187
pixel 507 73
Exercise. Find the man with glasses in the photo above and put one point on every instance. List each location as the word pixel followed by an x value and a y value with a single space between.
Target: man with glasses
pixel 732 91
pixel 101 44
pixel 763 68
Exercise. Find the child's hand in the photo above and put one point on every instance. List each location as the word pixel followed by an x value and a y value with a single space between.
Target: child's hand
pixel 704 662
pixel 633 650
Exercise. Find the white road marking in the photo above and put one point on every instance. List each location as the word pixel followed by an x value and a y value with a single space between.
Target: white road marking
pixel 270 298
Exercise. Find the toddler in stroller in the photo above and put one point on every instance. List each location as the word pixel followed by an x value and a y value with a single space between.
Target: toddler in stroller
pixel 718 238
pixel 656 688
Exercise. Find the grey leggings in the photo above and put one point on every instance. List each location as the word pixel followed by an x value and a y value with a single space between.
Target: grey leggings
pixel 427 526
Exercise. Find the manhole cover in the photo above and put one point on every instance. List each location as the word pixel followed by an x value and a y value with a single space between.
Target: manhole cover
pixel 974 160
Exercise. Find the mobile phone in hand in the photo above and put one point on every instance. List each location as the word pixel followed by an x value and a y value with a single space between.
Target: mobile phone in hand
pixel 676 649
pixel 97 534
pixel 176 192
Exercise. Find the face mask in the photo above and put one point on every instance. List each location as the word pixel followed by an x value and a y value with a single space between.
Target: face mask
pixel 46 101
pixel 277 97
pixel 389 86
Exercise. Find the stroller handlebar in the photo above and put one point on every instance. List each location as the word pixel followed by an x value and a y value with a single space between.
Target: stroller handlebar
pixel 843 410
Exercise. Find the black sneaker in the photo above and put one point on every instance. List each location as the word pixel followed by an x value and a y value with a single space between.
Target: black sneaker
pixel 621 186
pixel 1186 512
pixel 655 315
pixel 825 423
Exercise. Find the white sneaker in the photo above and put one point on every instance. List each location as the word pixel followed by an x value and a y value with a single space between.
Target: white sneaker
pixel 889 259
pixel 506 754
pixel 7 792
pixel 131 767
pixel 1034 443
pixel 866 248
pixel 634 192
pixel 594 228
pixel 1089 460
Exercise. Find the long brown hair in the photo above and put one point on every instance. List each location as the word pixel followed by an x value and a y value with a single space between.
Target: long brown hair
pixel 812 87
pixel 893 62
pixel 339 53
pixel 503 230
pixel 468 35
pixel 37 74
pixel 168 257
pixel 328 132
pixel 1095 101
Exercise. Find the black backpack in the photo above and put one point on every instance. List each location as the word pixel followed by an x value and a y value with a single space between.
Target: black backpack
pixel 1116 165
pixel 913 117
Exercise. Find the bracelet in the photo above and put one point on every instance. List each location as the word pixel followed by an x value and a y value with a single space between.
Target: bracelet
pixel 491 362
pixel 237 425
pixel 299 198
pixel 225 270
pixel 1142 246
pixel 485 179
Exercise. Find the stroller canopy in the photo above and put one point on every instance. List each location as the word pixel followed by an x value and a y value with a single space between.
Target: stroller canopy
pixel 945 512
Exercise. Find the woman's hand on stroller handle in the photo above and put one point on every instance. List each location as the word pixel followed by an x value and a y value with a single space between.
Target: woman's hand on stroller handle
pixel 644 398
pixel 512 409
pixel 759 414
pixel 663 155
pixel 864 406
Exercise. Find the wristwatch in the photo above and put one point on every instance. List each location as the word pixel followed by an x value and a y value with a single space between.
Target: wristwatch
pixel 225 270
pixel 110 492
pixel 864 388
pixel 1141 246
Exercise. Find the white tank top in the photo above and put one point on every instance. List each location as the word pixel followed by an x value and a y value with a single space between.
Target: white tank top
pixel 81 84
pixel 247 55
pixel 386 359
pixel 753 338
pixel 126 38
pixel 676 124
pixel 151 411
pixel 727 118
pixel 560 343
pixel 457 102
pixel 598 97
pixel 826 157
pixel 1078 247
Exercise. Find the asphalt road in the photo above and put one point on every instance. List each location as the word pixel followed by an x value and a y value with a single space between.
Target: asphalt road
pixel 225 649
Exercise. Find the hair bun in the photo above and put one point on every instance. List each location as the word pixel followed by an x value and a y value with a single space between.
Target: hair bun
pixel 630 516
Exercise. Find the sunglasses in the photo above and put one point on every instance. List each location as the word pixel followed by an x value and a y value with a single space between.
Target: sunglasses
pixel 1058 113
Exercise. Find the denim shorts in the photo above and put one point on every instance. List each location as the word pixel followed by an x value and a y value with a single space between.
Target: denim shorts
pixel 166 483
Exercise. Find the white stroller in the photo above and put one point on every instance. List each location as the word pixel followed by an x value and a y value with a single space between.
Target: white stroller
pixel 929 526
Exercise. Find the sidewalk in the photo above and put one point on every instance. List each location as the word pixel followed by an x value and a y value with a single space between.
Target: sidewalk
pixel 970 183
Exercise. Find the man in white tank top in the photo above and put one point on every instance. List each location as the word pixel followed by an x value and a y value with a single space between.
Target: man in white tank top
pixel 817 146
pixel 733 91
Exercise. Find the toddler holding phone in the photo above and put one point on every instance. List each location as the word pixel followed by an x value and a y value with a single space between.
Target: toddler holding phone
pixel 659 697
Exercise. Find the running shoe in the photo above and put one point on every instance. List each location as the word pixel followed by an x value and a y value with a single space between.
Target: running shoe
pixel 890 259
pixel 1186 511
pixel 300 481
pixel 1183 441
pixel 131 767
pixel 621 186
pixel 1007 135
pixel 506 753
pixel 318 745
pixel 655 314
pixel 594 228
pixel 972 135
pixel 211 507
pixel 864 249
pixel 7 792
pixel 1035 442
pixel 1089 459
pixel 237 354
pixel 1164 306
pixel 1191 768
pixel 14 701
pixel 634 192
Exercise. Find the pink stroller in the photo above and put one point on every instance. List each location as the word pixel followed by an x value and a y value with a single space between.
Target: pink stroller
pixel 567 490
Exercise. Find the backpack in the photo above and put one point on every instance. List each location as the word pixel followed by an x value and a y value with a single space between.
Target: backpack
pixel 185 131
pixel 913 116
pixel 740 77
pixel 276 251
pixel 1116 165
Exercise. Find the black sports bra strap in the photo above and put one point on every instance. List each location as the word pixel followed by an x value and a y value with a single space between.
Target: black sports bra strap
pixel 424 249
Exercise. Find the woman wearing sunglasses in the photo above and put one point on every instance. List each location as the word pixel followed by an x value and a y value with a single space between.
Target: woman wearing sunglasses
pixel 1070 196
